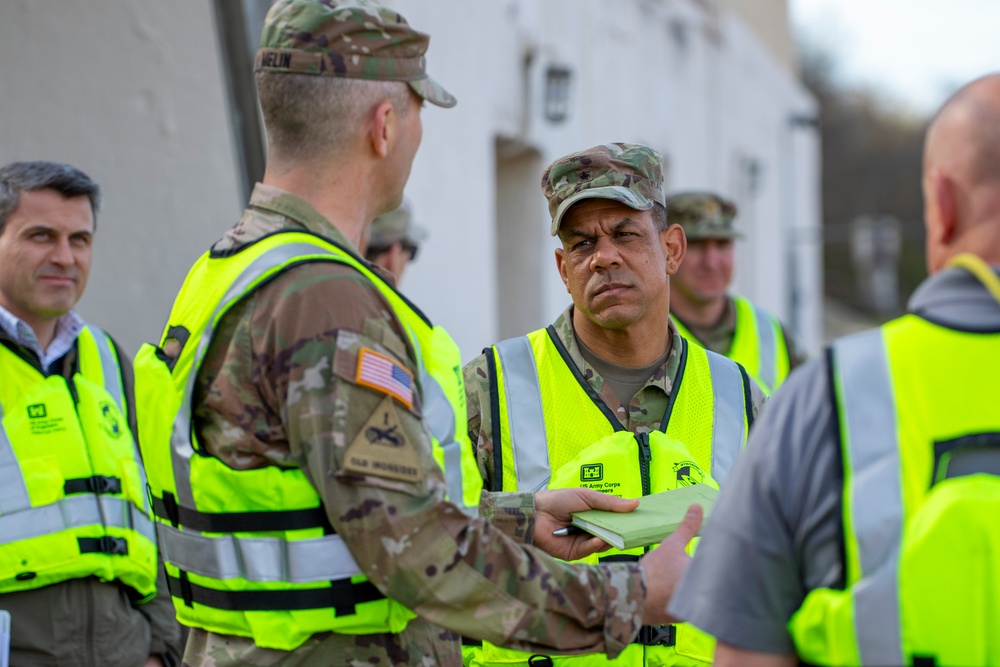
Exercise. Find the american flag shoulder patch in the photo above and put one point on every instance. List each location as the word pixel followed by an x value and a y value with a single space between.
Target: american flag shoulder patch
pixel 385 375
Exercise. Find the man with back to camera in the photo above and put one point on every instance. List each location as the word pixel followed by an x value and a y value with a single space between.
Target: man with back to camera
pixel 703 310
pixel 609 396
pixel 317 498
pixel 78 562
pixel 863 516
pixel 393 241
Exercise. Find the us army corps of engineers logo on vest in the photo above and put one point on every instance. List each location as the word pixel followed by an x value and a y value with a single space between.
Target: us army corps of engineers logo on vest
pixel 592 477
pixel 42 423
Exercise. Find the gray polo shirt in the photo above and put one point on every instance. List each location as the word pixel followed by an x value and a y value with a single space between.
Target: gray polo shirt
pixel 776 531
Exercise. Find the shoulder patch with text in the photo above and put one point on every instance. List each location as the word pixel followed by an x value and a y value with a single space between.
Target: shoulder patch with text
pixel 381 373
pixel 382 449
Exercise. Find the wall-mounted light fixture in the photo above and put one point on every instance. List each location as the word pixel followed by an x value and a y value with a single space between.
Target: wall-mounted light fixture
pixel 557 81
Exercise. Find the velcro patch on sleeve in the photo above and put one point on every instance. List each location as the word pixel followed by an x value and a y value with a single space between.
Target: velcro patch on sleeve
pixel 382 448
pixel 383 374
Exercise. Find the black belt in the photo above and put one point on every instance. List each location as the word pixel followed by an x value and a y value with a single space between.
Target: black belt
pixel 657 635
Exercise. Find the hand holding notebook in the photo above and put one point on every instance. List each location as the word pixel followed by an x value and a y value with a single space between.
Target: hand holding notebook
pixel 656 517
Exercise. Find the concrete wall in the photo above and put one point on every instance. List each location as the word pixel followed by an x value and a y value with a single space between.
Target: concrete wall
pixel 133 93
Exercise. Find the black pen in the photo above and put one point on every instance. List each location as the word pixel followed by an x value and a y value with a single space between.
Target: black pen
pixel 566 530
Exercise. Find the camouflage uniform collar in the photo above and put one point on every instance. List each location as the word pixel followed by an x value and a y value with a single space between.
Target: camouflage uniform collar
pixel 662 379
pixel 275 200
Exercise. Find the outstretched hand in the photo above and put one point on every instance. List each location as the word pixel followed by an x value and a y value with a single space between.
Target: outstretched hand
pixel 664 566
pixel 552 511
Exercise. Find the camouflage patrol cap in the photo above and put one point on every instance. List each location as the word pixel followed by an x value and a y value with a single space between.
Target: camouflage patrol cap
pixel 629 173
pixel 356 39
pixel 395 227
pixel 703 215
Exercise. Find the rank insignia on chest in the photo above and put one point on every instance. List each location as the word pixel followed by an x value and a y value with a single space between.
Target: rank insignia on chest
pixel 381 373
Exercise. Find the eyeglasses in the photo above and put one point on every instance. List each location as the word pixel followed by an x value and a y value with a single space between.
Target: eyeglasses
pixel 411 250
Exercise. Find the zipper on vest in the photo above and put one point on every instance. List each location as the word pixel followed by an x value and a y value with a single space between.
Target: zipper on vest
pixel 645 456
pixel 76 406
pixel 76 396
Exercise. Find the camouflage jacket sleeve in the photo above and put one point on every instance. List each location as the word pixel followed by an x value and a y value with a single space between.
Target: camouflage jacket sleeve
pixel 477 389
pixel 309 336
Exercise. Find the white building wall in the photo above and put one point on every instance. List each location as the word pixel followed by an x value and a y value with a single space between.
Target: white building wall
pixel 697 86
pixel 134 94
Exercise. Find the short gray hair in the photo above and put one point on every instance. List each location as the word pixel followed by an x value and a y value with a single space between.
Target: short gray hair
pixel 308 116
pixel 67 180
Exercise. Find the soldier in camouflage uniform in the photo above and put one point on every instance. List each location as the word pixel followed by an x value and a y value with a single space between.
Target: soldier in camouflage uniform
pixel 618 341
pixel 279 384
pixel 707 315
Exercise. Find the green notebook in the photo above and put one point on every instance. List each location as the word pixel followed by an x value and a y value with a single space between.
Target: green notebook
pixel 656 517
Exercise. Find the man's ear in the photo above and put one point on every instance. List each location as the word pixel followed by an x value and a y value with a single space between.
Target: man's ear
pixel 940 216
pixel 382 128
pixel 674 247
pixel 561 265
pixel 946 202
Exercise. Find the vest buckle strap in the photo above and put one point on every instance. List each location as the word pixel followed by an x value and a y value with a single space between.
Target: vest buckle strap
pixel 98 484
pixel 112 546
pixel 657 635
pixel 342 596
pixel 239 522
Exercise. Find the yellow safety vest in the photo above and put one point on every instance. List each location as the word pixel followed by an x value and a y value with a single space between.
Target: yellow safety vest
pixel 553 431
pixel 251 552
pixel 72 489
pixel 758 344
pixel 921 535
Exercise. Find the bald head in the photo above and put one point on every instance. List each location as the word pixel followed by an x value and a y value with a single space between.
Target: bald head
pixel 962 175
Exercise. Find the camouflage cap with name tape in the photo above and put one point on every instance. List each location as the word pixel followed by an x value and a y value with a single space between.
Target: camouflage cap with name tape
pixel 703 215
pixel 629 173
pixel 357 39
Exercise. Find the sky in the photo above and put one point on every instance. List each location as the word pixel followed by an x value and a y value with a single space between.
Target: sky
pixel 915 52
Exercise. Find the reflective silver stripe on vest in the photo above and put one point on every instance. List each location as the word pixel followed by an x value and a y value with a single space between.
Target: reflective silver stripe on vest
pixel 180 439
pixel 728 423
pixel 526 418
pixel 439 415
pixel 876 500
pixel 13 490
pixel 258 558
pixel 85 509
pixel 766 344
pixel 113 385
pixel 109 367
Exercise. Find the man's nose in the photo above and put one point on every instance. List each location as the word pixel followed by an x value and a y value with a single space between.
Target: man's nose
pixel 605 255
pixel 62 253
